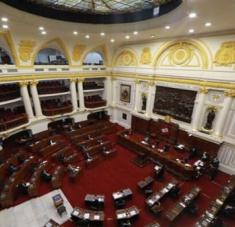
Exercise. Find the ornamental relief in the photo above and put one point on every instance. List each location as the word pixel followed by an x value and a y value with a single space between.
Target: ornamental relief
pixel 185 53
pixel 180 54
pixel 146 56
pixel 126 58
pixel 78 51
pixel 26 48
pixel 225 56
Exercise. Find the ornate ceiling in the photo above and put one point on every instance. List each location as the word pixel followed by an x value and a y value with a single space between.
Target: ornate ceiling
pixel 97 11
pixel 102 6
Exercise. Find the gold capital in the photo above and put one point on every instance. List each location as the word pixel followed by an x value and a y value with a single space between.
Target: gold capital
pixel 33 82
pixel 203 90
pixel 24 83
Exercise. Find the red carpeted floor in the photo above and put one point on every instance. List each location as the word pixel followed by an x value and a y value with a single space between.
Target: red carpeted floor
pixel 119 172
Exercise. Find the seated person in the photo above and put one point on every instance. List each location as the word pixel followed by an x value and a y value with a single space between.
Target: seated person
pixel 46 176
pixel 205 157
pixel 88 157
pixel 192 153
pixel 213 170
pixel 159 172
pixel 199 166
pixel 166 148
pixel 11 169
pixel 174 192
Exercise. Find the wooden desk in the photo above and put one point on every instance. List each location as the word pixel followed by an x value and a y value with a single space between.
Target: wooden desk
pixel 129 213
pixel 56 177
pixel 147 182
pixel 154 224
pixel 211 213
pixel 184 202
pixel 123 194
pixel 153 199
pixel 80 215
pixel 186 172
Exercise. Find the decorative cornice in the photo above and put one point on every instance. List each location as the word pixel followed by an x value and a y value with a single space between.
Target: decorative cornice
pixel 203 90
pixel 230 93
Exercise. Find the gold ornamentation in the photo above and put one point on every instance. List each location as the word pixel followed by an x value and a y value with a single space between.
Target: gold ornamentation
pixel 137 81
pixel 230 93
pixel 181 54
pixel 146 56
pixel 225 56
pixel 34 82
pixel 24 83
pixel 73 80
pixel 78 51
pixel 151 83
pixel 168 118
pixel 25 49
pixel 126 58
pixel 184 53
pixel 203 90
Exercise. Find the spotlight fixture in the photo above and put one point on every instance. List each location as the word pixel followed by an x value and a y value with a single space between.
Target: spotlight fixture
pixel 4 19
pixel 192 15
pixel 112 40
pixel 75 32
pixel 191 30
pixel 102 34
pixel 208 24
pixel 87 36
pixel 43 32
pixel 41 28
pixel 135 32
pixel 5 26
pixel 127 37
pixel 167 27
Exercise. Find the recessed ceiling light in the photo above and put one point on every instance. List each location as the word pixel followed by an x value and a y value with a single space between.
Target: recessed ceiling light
pixel 135 32
pixel 208 24
pixel 192 15
pixel 41 28
pixel 5 26
pixel 112 40
pixel 127 37
pixel 191 30
pixel 152 36
pixel 4 19
pixel 87 36
pixel 167 27
pixel 43 32
pixel 102 34
pixel 75 32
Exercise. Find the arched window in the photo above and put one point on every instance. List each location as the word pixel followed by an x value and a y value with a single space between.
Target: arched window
pixel 50 56
pixel 93 58
pixel 5 58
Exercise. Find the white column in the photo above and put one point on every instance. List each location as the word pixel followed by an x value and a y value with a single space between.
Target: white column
pixel 137 95
pixel 26 100
pixel 108 90
pixel 114 92
pixel 73 94
pixel 219 126
pixel 36 100
pixel 150 99
pixel 80 94
pixel 199 107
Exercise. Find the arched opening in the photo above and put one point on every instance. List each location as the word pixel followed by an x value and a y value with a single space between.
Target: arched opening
pixel 50 56
pixel 5 58
pixel 93 58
